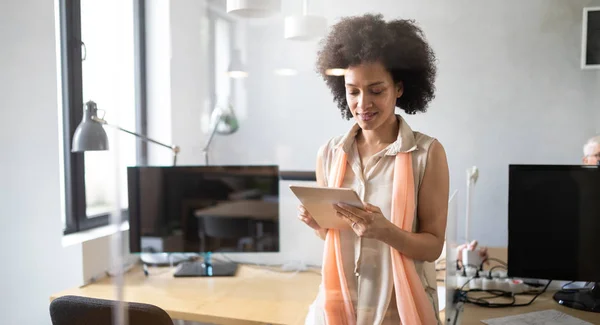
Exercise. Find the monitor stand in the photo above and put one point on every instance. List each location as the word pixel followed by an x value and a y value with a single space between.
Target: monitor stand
pixel 582 299
pixel 206 268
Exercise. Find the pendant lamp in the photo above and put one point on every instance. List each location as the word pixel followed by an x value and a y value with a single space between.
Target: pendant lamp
pixel 253 8
pixel 304 27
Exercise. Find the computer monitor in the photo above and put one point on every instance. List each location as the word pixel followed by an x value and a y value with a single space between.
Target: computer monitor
pixel 554 228
pixel 204 209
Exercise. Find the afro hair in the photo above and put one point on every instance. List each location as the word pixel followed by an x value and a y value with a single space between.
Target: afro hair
pixel 399 45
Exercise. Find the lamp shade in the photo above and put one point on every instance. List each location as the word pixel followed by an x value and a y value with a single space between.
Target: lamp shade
pixel 286 72
pixel 236 67
pixel 253 8
pixel 336 72
pixel 90 134
pixel 224 120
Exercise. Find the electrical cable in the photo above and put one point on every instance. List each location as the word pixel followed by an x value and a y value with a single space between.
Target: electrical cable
pixel 482 301
pixel 163 270
pixel 495 260
pixel 496 267
pixel 271 267
pixel 494 293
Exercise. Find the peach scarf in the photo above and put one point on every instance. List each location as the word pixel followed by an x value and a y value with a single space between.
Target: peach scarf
pixel 413 306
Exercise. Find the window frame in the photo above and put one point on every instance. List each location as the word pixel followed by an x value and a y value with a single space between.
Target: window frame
pixel 71 55
pixel 213 14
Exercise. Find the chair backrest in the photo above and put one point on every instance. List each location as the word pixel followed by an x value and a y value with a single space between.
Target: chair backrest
pixel 73 310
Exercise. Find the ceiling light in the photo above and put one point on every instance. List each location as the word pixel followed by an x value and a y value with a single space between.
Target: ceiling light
pixel 304 27
pixel 236 67
pixel 237 74
pixel 253 8
pixel 335 72
pixel 286 72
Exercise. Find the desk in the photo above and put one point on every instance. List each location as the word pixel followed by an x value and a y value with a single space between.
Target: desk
pixel 259 296
pixel 254 296
pixel 473 314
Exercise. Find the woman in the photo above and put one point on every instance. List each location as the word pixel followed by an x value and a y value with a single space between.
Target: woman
pixel 380 270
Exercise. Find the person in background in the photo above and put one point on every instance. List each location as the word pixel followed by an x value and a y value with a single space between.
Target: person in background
pixel 380 270
pixel 591 151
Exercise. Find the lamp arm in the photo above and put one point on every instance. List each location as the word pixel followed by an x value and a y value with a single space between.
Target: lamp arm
pixel 211 137
pixel 173 148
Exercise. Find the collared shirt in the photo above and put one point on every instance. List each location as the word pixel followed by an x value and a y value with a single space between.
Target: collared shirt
pixel 367 262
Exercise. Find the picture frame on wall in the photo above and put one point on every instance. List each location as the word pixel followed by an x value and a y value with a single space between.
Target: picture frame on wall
pixel 590 38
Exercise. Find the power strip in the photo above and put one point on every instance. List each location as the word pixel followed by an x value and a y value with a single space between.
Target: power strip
pixel 471 257
pixel 485 283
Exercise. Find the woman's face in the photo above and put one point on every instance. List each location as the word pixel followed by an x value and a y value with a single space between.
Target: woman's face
pixel 371 94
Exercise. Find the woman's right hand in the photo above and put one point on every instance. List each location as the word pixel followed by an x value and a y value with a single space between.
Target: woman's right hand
pixel 305 217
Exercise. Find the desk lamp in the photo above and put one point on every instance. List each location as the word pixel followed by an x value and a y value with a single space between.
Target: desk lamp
pixel 90 135
pixel 223 121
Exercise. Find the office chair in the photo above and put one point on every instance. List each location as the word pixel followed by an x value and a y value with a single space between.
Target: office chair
pixel 75 310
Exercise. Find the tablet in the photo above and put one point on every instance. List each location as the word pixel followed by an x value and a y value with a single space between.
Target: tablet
pixel 319 202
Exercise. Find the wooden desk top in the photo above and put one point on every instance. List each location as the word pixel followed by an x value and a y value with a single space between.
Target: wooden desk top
pixel 254 296
pixel 473 315
pixel 261 210
pixel 260 296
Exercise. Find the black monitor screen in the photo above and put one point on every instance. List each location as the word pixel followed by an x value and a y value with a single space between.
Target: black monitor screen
pixel 203 209
pixel 554 222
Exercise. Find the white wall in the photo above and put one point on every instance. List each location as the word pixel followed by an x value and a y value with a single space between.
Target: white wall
pixel 35 264
pixel 510 90
pixel 158 61
pixel 189 76
pixel 177 78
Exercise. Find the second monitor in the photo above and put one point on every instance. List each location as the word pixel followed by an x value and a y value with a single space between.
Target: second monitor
pixel 204 209
pixel 554 228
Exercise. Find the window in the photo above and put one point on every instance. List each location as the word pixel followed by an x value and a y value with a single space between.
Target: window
pixel 102 60
pixel 222 40
pixel 222 35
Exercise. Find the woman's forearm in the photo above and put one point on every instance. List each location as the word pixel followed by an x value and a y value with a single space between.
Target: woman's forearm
pixel 417 246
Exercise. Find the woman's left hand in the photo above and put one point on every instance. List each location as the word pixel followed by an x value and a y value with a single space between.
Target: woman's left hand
pixel 367 222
